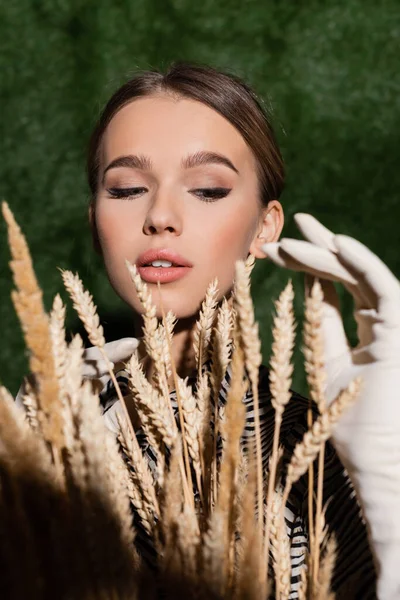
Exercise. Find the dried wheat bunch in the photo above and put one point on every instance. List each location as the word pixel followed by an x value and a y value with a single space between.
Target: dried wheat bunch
pixel 69 520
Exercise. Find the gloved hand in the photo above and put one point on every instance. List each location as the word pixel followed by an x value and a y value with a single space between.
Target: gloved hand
pixel 367 438
pixel 94 366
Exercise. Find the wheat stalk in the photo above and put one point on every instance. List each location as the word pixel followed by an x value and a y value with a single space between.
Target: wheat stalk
pixel 252 352
pixel 280 377
pixel 313 351
pixel 226 509
pixel 28 303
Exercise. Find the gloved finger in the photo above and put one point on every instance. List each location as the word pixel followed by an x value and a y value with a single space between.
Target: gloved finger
pixel 321 236
pixel 374 276
pixel 328 266
pixel 94 366
pixel 93 363
pixel 303 256
pixel 335 341
pixel 121 349
pixel 315 232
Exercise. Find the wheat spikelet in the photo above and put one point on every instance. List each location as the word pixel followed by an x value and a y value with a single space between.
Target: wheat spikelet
pixel 313 349
pixel 188 541
pixel 248 329
pixel 203 328
pixel 280 377
pixel 85 307
pixel 222 346
pixel 224 519
pixel 106 543
pixel 302 589
pixel 306 451
pixel 71 390
pixel 27 451
pixel 118 491
pixel 248 583
pixel 167 329
pixel 325 572
pixel 192 423
pixel 30 403
pixel 283 332
pixel 280 546
pixel 221 351
pixel 154 335
pixel 57 331
pixel 28 304
pixel 152 408
pixel 171 510
pixel 250 264
pixel 148 507
pixel 214 555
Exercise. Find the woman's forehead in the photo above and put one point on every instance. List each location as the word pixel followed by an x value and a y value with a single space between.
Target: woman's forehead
pixel 163 124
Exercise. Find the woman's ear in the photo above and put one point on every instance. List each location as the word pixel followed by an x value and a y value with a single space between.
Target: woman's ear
pixel 269 229
pixel 93 228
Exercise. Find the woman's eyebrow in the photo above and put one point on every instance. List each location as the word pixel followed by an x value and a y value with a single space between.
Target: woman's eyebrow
pixel 131 161
pixel 144 163
pixel 205 158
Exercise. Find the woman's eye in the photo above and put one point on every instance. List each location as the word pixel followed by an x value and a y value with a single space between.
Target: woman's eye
pixel 126 192
pixel 211 194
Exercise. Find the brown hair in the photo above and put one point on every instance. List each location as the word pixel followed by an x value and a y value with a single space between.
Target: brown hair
pixel 225 93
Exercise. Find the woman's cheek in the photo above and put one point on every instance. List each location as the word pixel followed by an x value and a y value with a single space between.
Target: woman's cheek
pixel 229 244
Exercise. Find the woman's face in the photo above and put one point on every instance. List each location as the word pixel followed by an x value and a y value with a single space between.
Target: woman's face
pixel 190 186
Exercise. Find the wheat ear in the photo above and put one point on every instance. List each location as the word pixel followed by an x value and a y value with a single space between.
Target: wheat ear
pixel 87 312
pixel 145 502
pixel 204 324
pixel 224 519
pixel 57 330
pixel 151 406
pixel 221 351
pixel 313 351
pixel 307 450
pixel 27 299
pixel 248 328
pixel 280 377
pixel 30 403
pixel 154 336
pixel 326 570
pixel 249 585
pixel 280 545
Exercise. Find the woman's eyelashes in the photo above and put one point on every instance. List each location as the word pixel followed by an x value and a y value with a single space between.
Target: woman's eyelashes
pixel 209 194
pixel 126 192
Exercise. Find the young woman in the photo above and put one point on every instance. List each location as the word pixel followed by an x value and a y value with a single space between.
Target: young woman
pixel 184 167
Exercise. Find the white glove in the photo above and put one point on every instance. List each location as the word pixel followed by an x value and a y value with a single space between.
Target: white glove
pixel 367 438
pixel 94 366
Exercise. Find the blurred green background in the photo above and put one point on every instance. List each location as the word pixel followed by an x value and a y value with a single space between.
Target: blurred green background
pixel 330 71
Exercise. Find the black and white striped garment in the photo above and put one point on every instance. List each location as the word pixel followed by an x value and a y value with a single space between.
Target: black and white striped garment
pixel 354 577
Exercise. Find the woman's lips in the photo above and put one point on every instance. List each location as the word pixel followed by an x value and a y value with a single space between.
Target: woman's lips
pixel 162 274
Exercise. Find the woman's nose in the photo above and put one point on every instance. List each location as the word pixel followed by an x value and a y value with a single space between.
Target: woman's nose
pixel 163 215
